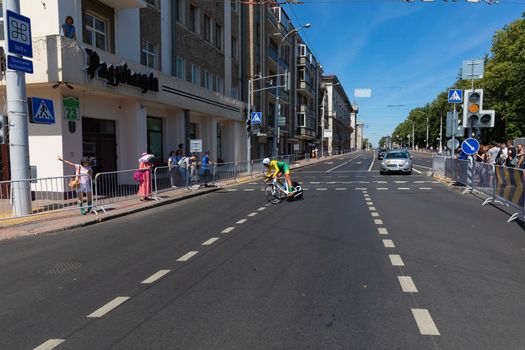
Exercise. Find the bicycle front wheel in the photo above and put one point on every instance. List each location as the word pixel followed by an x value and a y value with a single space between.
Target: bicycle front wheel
pixel 272 194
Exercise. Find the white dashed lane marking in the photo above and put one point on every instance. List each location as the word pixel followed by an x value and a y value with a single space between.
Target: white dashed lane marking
pixel 252 214
pixel 396 260
pixel 188 256
pixel 242 221
pixel 228 229
pixel 371 208
pixel 155 277
pixel 360 188
pixel 407 285
pixel 425 188
pixel 108 307
pixel 388 243
pixel 261 208
pixel 249 189
pixel 340 189
pixel 424 322
pixel 211 241
pixel 50 344
pixel 374 214
pixel 378 222
pixel 231 190
pixel 382 231
pixel 370 203
pixel 321 189
pixel 382 188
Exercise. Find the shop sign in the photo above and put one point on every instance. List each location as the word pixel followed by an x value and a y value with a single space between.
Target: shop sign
pixel 71 108
pixel 114 75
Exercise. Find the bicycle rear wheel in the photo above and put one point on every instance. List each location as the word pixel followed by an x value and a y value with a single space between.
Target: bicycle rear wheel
pixel 272 194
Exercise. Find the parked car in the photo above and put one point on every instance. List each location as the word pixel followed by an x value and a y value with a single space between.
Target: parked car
pixel 396 161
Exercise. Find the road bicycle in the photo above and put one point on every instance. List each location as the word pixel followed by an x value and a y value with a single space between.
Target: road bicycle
pixel 276 190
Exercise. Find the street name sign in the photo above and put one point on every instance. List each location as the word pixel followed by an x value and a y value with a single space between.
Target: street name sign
pixel 41 111
pixel 470 146
pixel 19 64
pixel 19 34
pixel 455 96
pixel 256 118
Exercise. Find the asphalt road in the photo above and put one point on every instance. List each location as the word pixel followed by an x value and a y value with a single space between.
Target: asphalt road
pixel 363 262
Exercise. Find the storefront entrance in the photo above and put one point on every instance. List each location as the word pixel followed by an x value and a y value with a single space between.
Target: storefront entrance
pixel 99 141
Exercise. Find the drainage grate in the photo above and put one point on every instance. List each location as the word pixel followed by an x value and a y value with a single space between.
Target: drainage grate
pixel 61 268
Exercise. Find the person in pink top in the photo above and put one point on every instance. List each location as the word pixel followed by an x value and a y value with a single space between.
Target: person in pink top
pixel 145 183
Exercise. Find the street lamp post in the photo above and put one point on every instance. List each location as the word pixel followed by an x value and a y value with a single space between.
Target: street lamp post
pixel 276 131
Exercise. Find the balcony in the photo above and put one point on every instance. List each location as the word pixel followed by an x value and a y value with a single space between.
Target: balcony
pixel 125 4
pixel 305 87
pixel 304 61
pixel 273 54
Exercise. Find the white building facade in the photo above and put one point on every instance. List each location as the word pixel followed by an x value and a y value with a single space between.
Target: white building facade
pixel 116 95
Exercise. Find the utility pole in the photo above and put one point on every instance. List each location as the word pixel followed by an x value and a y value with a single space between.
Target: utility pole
pixel 18 130
pixel 248 122
pixel 322 122
pixel 441 133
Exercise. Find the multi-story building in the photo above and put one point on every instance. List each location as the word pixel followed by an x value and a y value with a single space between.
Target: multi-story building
pixel 338 116
pixel 307 91
pixel 140 76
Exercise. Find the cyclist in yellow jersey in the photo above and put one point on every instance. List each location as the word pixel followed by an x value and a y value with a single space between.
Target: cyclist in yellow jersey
pixel 276 168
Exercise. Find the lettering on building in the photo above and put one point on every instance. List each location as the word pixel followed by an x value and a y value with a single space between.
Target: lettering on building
pixel 114 75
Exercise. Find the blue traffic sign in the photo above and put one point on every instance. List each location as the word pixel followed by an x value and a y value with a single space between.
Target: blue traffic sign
pixel 470 146
pixel 455 96
pixel 19 64
pixel 256 118
pixel 19 34
pixel 42 111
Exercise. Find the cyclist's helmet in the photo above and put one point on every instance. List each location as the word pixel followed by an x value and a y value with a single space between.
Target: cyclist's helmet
pixel 266 161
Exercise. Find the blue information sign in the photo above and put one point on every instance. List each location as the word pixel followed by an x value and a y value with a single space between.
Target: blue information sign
pixel 19 64
pixel 42 111
pixel 470 146
pixel 19 34
pixel 256 118
pixel 455 96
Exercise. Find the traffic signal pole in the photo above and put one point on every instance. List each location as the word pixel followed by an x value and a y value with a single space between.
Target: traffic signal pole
pixel 248 129
pixel 18 130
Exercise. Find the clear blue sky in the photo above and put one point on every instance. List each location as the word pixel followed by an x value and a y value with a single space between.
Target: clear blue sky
pixel 405 52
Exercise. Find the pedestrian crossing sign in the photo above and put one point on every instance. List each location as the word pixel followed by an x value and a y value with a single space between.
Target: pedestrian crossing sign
pixel 455 96
pixel 256 118
pixel 41 111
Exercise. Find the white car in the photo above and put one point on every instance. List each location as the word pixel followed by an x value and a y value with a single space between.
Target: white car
pixel 396 161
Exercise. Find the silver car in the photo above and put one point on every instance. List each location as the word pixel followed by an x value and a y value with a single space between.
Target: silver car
pixel 396 161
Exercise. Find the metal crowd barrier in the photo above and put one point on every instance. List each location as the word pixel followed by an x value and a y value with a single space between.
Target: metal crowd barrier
pixel 50 194
pixel 438 165
pixel 504 185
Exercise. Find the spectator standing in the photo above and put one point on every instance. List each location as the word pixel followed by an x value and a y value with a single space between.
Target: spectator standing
pixel 492 153
pixel 205 167
pixel 173 165
pixel 520 155
pixel 502 155
pixel 511 154
pixel 82 183
pixel 145 183
pixel 68 29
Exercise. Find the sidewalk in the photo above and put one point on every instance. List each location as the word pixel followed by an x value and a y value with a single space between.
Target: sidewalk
pixel 71 219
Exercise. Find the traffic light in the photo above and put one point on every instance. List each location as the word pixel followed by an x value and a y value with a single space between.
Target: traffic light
pixel 4 129
pixel 473 114
pixel 249 124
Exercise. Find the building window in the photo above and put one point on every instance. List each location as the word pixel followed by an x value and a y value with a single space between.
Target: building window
pixel 180 12
pixel 218 36
pixel 2 21
pixel 180 68
pixel 195 77
pixel 235 49
pixel 194 19
pixel 207 28
pixel 192 131
pixel 96 32
pixel 301 120
pixel 207 80
pixel 235 90
pixel 149 54
pixel 155 138
pixel 235 5
pixel 219 87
